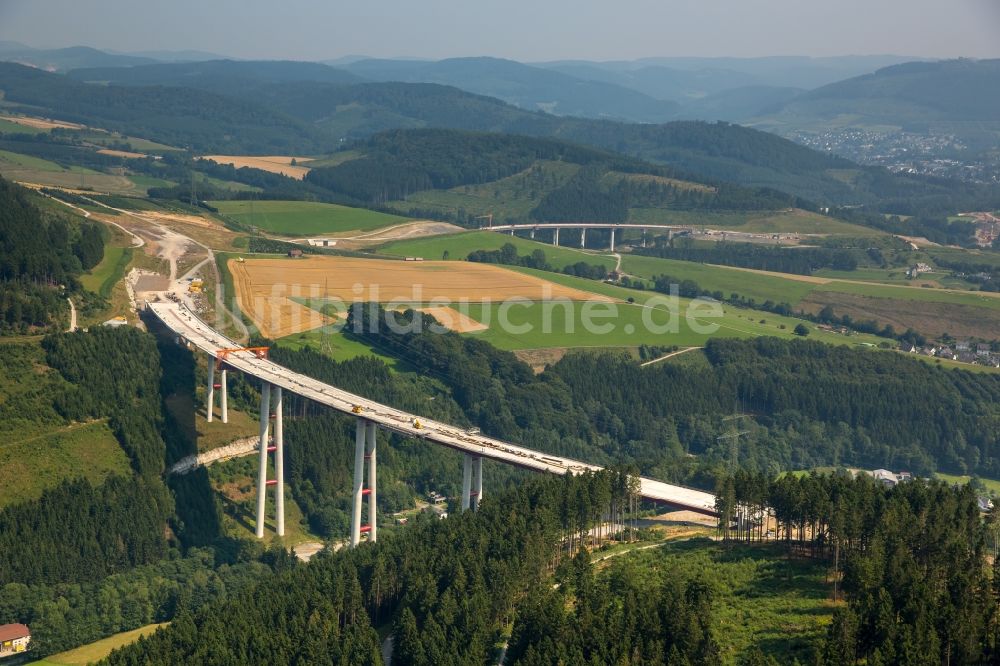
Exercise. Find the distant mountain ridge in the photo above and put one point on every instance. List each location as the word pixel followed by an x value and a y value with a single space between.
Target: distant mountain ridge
pixel 525 86
pixel 302 117
pixel 949 90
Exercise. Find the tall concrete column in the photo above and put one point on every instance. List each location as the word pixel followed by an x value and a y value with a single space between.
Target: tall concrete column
pixel 372 481
pixel 477 482
pixel 612 239
pixel 359 469
pixel 555 238
pixel 466 480
pixel 210 398
pixel 583 237
pixel 532 234
pixel 644 238
pixel 224 397
pixel 265 404
pixel 512 231
pixel 279 462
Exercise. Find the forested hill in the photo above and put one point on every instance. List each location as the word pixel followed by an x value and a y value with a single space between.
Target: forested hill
pixel 220 75
pixel 186 117
pixel 264 109
pixel 809 404
pixel 555 180
pixel 914 92
pixel 40 259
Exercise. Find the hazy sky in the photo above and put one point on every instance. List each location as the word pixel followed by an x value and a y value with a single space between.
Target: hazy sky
pixel 519 29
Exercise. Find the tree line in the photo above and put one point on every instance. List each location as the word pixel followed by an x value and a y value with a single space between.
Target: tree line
pixel 40 254
pixel 910 560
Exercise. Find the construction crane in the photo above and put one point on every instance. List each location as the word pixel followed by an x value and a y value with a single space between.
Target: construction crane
pixel 486 217
pixel 734 436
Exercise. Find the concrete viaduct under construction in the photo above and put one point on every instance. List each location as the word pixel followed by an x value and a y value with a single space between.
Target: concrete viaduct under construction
pixel 225 354
pixel 583 226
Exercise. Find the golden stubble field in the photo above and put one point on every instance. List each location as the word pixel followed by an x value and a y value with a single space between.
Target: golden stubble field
pixel 274 163
pixel 265 288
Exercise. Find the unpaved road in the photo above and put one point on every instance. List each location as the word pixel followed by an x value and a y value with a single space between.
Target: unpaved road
pixel 72 316
pixel 670 355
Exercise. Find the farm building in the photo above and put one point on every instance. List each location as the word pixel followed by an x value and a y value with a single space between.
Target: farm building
pixel 14 639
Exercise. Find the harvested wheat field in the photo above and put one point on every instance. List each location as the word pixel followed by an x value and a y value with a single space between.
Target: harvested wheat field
pixel 122 153
pixel 42 123
pixel 265 287
pixel 274 163
pixel 454 320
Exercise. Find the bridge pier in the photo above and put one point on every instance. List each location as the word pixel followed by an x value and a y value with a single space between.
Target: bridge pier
pixel 555 237
pixel 212 386
pixel 472 481
pixel 223 398
pixel 279 462
pixel 532 234
pixel 265 422
pixel 612 239
pixel 477 482
pixel 583 237
pixel 364 449
pixel 644 238
pixel 512 231
pixel 210 398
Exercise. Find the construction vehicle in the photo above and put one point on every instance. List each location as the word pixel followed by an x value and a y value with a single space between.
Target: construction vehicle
pixel 357 409
pixel 416 424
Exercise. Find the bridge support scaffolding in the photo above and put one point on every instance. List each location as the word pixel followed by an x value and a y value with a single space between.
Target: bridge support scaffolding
pixel 364 450
pixel 278 448
pixel 472 481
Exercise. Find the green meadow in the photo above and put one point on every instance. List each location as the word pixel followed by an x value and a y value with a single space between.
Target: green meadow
pixel 304 218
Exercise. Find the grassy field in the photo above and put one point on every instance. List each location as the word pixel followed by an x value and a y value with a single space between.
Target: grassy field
pixel 146 182
pixel 30 426
pixel 460 245
pixel 991 485
pixel 234 483
pixel 103 277
pixel 641 322
pixel 28 169
pixel 8 127
pixel 729 281
pixel 767 222
pixel 514 196
pixel 87 450
pixel 760 596
pixel 336 344
pixel 87 654
pixel 304 218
